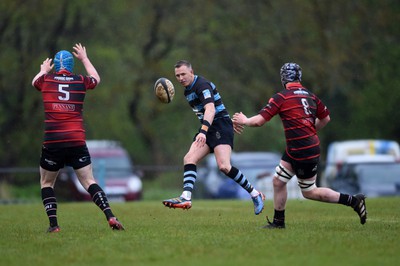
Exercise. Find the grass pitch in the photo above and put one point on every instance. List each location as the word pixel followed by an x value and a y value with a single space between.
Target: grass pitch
pixel 211 233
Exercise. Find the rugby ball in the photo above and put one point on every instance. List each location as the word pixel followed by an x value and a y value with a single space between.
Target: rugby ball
pixel 164 90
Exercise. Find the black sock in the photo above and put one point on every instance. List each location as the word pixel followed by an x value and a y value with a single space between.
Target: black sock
pixel 347 200
pixel 50 205
pixel 189 176
pixel 279 217
pixel 100 199
pixel 239 178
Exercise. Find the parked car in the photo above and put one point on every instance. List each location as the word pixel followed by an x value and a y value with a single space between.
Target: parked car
pixel 372 179
pixel 340 151
pixel 113 170
pixel 258 167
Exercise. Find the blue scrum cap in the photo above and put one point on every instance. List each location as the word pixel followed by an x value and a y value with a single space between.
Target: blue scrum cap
pixel 64 60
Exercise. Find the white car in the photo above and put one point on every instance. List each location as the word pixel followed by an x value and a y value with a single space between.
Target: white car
pixel 365 150
pixel 374 179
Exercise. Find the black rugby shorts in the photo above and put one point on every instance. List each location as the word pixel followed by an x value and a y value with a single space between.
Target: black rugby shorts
pixel 53 159
pixel 220 132
pixel 302 169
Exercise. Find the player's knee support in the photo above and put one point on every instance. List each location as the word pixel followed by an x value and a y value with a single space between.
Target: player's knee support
pixel 283 173
pixel 306 185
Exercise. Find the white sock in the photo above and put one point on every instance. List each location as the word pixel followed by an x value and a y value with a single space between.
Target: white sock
pixel 254 193
pixel 186 195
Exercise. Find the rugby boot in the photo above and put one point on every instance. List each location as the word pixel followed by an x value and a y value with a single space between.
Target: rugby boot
pixel 258 203
pixel 360 208
pixel 179 202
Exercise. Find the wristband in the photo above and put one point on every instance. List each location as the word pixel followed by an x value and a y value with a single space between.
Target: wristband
pixel 204 127
pixel 206 123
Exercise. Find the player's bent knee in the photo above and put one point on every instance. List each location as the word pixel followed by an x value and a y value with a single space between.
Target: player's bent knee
pixel 283 174
pixel 277 183
pixel 307 195
pixel 224 168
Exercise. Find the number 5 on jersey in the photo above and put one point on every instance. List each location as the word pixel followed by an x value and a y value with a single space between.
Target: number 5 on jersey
pixel 65 93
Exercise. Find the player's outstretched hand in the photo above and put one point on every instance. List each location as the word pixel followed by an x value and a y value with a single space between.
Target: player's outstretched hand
pixel 46 66
pixel 238 120
pixel 80 51
pixel 237 128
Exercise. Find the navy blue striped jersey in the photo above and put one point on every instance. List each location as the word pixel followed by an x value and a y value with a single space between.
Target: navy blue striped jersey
pixel 298 109
pixel 202 92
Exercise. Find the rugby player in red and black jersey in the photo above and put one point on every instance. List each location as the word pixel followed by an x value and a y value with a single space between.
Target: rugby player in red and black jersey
pixel 302 114
pixel 64 142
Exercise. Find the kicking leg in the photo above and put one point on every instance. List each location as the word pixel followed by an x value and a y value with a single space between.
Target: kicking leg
pixel 223 157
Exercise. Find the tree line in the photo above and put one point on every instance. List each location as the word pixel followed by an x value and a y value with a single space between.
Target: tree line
pixel 348 51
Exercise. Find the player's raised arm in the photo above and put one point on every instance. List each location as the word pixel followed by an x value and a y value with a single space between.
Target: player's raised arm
pixel 80 53
pixel 45 68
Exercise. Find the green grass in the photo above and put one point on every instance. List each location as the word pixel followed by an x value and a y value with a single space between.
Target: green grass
pixel 211 233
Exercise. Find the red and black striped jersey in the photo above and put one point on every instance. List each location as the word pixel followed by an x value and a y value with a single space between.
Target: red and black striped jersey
pixel 63 96
pixel 298 109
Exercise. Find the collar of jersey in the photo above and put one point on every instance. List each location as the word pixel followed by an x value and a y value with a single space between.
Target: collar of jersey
pixel 194 81
pixel 63 71
pixel 293 85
